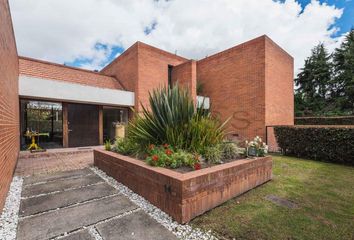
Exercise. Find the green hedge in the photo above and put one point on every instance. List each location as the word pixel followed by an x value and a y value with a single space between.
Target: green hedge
pixel 345 120
pixel 322 143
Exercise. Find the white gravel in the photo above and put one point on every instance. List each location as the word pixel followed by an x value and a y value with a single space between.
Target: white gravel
pixel 9 216
pixel 185 231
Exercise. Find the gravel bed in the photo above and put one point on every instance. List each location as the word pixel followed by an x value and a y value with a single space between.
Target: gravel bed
pixel 182 231
pixel 9 216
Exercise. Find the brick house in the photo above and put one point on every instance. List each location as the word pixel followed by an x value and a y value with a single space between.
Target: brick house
pixel 251 83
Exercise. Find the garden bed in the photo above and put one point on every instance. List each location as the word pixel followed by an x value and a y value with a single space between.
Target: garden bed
pixel 185 195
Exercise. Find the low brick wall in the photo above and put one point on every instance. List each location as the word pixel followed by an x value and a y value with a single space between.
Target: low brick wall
pixel 185 195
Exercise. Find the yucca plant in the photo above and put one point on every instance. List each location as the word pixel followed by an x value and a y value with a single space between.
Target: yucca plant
pixel 174 119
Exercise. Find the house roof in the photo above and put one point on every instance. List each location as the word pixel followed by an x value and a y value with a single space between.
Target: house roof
pixel 47 70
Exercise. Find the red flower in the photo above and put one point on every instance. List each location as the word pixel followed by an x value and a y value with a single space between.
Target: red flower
pixel 197 166
pixel 166 145
pixel 168 152
pixel 151 146
pixel 155 158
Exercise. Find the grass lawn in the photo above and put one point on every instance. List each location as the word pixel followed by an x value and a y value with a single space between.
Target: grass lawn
pixel 324 193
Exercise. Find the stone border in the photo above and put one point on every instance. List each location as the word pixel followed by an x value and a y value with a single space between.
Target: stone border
pixel 9 216
pixel 184 231
pixel 185 195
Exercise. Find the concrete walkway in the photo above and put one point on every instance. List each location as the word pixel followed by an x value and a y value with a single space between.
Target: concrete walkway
pixel 78 204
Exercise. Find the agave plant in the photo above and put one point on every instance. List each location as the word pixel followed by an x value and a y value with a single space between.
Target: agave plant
pixel 174 119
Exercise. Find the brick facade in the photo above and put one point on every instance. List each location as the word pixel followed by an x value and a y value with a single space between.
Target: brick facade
pixel 185 195
pixel 141 69
pixel 47 70
pixel 252 84
pixel 9 109
pixel 185 75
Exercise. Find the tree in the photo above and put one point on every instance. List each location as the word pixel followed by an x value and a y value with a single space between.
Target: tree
pixel 343 61
pixel 313 82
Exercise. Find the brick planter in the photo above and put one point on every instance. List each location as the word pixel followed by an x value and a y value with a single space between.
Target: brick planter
pixel 185 195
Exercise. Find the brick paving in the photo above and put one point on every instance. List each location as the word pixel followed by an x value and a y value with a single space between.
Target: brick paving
pixel 54 160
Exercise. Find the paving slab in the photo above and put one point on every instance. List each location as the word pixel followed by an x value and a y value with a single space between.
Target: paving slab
pixel 44 203
pixel 81 235
pixel 56 176
pixel 60 185
pixel 281 201
pixel 137 226
pixel 52 224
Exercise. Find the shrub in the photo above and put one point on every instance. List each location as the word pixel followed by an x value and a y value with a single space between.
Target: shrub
pixel 213 154
pixel 166 156
pixel 229 150
pixel 341 120
pixel 332 144
pixel 260 147
pixel 125 146
pixel 107 145
pixel 174 119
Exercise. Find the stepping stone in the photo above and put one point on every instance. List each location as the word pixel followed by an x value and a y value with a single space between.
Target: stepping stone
pixel 56 176
pixel 281 201
pixel 138 225
pixel 59 185
pixel 44 203
pixel 81 235
pixel 52 224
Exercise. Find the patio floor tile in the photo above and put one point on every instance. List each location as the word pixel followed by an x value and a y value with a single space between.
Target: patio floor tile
pixel 137 226
pixel 56 176
pixel 44 203
pixel 52 224
pixel 82 235
pixel 60 185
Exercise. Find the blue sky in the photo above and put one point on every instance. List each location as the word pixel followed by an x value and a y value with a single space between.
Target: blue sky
pixel 346 22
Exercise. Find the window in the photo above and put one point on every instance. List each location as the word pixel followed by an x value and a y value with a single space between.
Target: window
pixel 42 117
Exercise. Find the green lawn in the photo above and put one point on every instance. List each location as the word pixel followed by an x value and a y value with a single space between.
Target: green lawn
pixel 324 193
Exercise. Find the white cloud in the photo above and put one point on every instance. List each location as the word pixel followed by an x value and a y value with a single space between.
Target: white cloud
pixel 63 30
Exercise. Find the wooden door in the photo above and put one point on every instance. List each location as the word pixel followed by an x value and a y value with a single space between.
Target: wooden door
pixel 83 121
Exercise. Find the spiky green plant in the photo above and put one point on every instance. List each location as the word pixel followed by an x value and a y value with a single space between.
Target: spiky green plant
pixel 174 119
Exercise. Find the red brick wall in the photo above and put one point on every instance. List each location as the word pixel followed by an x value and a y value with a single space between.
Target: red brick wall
pixel 142 68
pixel 251 83
pixel 279 89
pixel 185 75
pixel 153 70
pixel 9 109
pixel 43 69
pixel 185 195
pixel 234 81
pixel 125 68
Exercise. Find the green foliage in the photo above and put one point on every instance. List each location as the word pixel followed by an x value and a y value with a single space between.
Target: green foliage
pixel 213 154
pixel 173 119
pixel 126 146
pixel 332 144
pixel 229 150
pixel 313 81
pixel 343 60
pixel 343 120
pixel 166 156
pixel 107 145
pixel 325 85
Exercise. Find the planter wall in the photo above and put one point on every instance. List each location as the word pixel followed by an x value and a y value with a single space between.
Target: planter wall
pixel 185 195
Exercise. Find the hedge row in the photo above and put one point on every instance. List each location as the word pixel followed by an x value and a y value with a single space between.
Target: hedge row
pixel 322 143
pixel 345 120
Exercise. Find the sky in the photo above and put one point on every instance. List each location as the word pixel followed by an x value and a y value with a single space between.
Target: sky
pixel 91 33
